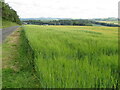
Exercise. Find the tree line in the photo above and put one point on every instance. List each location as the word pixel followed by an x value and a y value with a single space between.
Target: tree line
pixel 79 22
pixel 8 13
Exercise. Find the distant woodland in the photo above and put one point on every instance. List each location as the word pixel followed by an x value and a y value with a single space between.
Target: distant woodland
pixel 8 13
pixel 78 22
pixel 60 22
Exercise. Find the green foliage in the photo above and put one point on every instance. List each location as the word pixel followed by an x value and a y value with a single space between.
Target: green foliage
pixel 9 14
pixel 74 56
pixel 80 22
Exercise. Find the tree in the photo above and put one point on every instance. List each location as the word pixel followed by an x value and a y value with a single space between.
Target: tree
pixel 9 14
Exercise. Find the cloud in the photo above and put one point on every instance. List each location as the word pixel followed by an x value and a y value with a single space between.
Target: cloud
pixel 65 8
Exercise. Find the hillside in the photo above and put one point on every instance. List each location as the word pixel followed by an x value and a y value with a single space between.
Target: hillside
pixel 9 15
pixel 6 24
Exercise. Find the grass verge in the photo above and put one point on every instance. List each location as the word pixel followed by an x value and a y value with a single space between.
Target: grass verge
pixel 17 69
pixel 6 24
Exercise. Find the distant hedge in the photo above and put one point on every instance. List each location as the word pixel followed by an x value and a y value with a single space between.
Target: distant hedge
pixel 79 22
pixel 8 13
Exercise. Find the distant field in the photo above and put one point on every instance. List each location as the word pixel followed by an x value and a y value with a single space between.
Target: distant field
pixel 74 56
pixel 111 22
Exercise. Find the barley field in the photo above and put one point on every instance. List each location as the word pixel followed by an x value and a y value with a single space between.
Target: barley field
pixel 74 56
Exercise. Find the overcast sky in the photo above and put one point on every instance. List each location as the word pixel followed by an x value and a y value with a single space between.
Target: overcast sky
pixel 65 8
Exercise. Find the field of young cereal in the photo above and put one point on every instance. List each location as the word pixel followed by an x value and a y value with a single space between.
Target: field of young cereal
pixel 74 56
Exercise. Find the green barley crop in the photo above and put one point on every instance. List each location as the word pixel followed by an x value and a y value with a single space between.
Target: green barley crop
pixel 75 56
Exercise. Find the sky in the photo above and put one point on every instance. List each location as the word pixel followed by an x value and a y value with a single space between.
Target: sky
pixel 84 9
